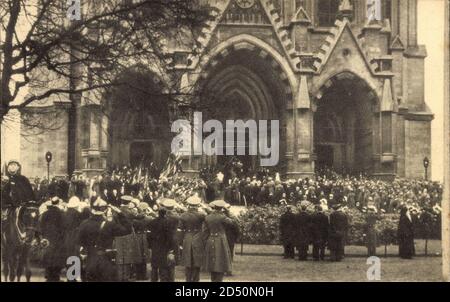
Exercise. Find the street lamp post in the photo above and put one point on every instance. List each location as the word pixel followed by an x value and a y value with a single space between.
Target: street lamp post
pixel 48 158
pixel 426 163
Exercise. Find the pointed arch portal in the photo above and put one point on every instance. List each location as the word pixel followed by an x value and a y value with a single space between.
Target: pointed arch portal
pixel 241 82
pixel 344 122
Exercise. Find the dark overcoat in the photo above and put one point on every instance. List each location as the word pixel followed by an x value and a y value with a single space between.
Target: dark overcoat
pixel 193 246
pixel 338 230
pixel 97 236
pixel 217 251
pixel 162 239
pixel 72 219
pixel 233 232
pixel 52 229
pixel 405 237
pixel 303 224
pixel 16 191
pixel 319 227
pixel 287 228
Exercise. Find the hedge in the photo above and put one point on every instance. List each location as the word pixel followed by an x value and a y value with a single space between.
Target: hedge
pixel 260 225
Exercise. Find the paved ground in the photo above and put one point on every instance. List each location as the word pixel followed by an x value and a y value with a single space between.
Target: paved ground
pixel 264 263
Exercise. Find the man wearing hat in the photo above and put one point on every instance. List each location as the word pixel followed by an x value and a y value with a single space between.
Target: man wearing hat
pixel 303 223
pixel 319 232
pixel 337 233
pixel 15 191
pixel 126 205
pixel 163 242
pixel 96 236
pixel 132 248
pixel 193 246
pixel 287 232
pixel 217 251
pixel 52 228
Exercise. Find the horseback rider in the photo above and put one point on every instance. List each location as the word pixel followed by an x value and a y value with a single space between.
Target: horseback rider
pixel 16 191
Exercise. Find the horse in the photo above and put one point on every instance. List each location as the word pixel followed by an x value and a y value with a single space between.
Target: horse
pixel 18 233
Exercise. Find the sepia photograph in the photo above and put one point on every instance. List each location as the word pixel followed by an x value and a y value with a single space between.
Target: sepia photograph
pixel 225 141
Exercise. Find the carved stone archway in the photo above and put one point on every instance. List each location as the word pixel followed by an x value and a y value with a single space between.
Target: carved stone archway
pixel 354 127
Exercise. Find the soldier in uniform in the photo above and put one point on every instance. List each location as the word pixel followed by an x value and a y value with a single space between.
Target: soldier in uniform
pixel 303 221
pixel 163 242
pixel 52 229
pixel 319 232
pixel 96 236
pixel 337 233
pixel 15 191
pixel 130 252
pixel 287 232
pixel 193 246
pixel 217 250
pixel 141 225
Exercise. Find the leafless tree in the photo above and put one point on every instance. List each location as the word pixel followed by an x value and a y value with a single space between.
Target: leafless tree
pixel 45 54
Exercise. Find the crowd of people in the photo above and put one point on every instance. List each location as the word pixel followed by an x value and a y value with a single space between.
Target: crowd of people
pixel 330 188
pixel 186 220
pixel 111 226
pixel 262 187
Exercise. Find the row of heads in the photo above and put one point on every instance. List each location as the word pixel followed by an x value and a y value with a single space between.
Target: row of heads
pixel 168 204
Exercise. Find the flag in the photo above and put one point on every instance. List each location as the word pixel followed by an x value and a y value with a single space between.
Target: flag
pixel 173 165
pixel 139 173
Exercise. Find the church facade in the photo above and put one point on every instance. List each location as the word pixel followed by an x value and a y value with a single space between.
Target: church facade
pixel 345 81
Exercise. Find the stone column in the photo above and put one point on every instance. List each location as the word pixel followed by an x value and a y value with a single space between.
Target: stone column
pixel 300 35
pixel 387 163
pixel 288 10
pixel 95 152
pixel 403 20
pixel 300 164
pixel 190 163
pixel 397 47
pixel 412 23
pixel 394 17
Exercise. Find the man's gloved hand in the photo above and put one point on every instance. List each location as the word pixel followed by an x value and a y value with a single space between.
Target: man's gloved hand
pixel 171 259
pixel 4 215
pixel 44 243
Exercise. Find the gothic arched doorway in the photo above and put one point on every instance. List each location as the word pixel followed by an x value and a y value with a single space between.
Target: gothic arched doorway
pixel 245 83
pixel 139 126
pixel 344 125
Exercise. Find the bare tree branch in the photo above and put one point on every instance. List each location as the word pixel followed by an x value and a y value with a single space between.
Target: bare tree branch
pixel 46 53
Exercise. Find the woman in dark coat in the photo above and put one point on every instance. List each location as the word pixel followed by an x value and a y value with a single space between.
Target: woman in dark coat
pixel 217 250
pixel 405 235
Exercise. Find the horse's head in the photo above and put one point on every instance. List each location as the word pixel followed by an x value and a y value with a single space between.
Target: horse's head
pixel 29 220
